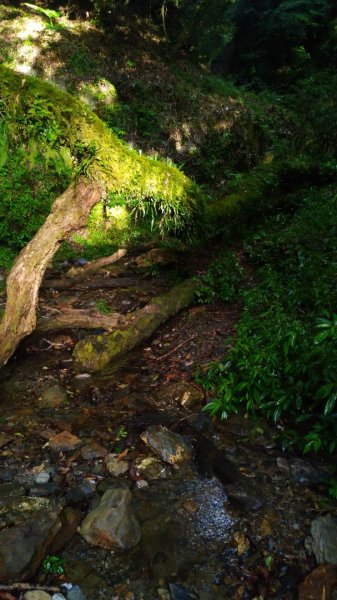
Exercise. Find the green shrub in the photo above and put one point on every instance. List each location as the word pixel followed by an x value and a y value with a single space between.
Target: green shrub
pixel 222 280
pixel 282 363
pixel 27 192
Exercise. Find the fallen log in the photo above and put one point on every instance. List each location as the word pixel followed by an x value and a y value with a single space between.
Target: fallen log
pixel 94 265
pixel 106 283
pixel 69 211
pixel 84 319
pixel 94 353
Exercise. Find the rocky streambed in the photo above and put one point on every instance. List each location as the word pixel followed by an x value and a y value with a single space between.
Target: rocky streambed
pixel 119 487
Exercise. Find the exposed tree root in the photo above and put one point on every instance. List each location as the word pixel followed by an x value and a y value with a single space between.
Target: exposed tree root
pixel 96 352
pixel 69 211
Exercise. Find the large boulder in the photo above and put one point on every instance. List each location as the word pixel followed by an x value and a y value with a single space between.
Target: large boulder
pixel 113 523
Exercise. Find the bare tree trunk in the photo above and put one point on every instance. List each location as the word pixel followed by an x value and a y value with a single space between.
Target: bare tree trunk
pixel 69 212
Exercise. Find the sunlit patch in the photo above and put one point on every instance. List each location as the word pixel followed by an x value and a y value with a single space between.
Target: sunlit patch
pixel 30 27
pixel 24 69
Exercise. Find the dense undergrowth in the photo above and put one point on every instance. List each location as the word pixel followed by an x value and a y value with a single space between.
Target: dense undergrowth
pixel 282 363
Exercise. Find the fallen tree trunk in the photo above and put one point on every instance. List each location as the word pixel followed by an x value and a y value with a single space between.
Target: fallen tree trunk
pixel 78 273
pixel 85 319
pixel 100 284
pixel 69 211
pixel 95 353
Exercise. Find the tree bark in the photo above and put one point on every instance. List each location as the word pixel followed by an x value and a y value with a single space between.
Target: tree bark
pixel 85 319
pixel 94 353
pixel 69 211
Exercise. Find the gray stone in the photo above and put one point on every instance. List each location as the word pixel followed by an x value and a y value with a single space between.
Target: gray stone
pixel 80 493
pixel 323 540
pixel 245 496
pixel 75 593
pixel 42 477
pixel 24 546
pixel 113 524
pixel 114 466
pixel 306 474
pixel 169 446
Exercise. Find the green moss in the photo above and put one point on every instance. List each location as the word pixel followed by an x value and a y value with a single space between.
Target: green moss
pixel 35 109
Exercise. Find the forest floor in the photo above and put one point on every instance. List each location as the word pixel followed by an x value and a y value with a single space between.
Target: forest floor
pixel 205 532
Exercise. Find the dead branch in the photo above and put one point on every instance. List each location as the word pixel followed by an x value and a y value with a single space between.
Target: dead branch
pixel 85 319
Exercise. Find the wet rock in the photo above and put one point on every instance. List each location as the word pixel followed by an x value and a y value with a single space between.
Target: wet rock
pixel 42 477
pixel 113 524
pixel 53 397
pixel 9 491
pixel 75 593
pixel 93 450
pixel 70 520
pixel 6 476
pixel 151 468
pixel 79 493
pixel 115 466
pixel 323 540
pixel 111 483
pixel 169 446
pixel 64 442
pixel 244 496
pixel 44 489
pixel 24 546
pixel 306 474
pixel 37 595
pixel 20 509
pixel 92 584
pixel 180 593
pixel 58 597
pixel 319 584
pixel 5 439
pixel 186 394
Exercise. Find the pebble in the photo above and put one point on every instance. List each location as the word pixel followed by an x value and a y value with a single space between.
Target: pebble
pixel 42 477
